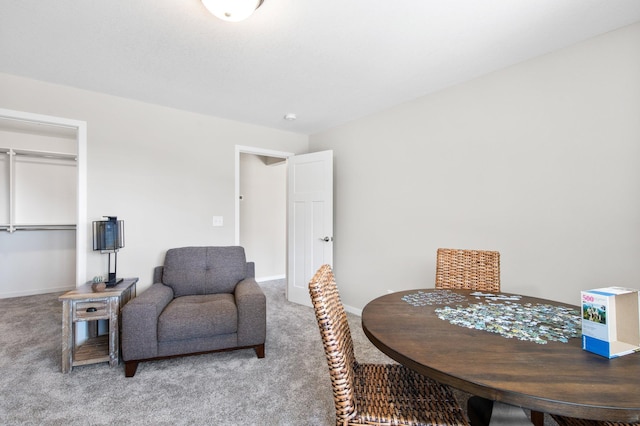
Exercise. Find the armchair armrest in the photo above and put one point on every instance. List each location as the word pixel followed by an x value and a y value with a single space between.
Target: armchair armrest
pixel 251 269
pixel 157 274
pixel 140 322
pixel 252 313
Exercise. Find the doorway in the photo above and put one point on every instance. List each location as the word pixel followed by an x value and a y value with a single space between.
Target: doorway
pixel 261 209
pixel 308 215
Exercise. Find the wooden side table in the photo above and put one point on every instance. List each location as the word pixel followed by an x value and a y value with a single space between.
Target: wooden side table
pixel 85 304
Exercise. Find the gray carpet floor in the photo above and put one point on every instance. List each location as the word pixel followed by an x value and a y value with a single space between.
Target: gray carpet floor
pixel 290 386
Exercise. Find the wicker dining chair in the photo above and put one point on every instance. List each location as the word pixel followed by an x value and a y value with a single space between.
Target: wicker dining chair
pixel 468 269
pixel 476 270
pixel 374 394
pixel 570 421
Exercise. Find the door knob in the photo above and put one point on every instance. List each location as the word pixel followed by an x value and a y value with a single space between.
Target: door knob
pixel 326 239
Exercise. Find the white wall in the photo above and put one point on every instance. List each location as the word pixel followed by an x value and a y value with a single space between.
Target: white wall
pixel 539 161
pixel 35 262
pixel 263 214
pixel 165 172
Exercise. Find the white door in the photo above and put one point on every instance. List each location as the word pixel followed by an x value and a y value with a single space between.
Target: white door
pixel 309 219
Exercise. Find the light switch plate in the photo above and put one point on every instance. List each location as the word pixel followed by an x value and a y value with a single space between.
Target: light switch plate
pixel 218 221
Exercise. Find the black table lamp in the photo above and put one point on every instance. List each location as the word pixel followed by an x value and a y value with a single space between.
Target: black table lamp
pixel 108 237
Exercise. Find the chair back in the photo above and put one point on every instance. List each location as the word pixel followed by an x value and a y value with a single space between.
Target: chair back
pixel 204 270
pixel 468 269
pixel 336 337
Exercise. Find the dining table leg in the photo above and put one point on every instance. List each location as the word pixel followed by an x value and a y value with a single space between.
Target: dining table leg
pixel 537 418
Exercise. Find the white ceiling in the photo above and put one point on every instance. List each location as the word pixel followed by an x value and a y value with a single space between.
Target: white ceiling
pixel 329 61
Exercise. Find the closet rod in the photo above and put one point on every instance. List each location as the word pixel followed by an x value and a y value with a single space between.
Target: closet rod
pixel 41 227
pixel 46 154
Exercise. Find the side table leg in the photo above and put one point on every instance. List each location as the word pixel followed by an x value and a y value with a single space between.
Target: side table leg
pixel 67 337
pixel 114 332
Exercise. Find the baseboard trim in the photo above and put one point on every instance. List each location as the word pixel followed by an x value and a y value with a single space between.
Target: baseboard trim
pixel 272 278
pixel 347 308
pixel 12 294
pixel 353 310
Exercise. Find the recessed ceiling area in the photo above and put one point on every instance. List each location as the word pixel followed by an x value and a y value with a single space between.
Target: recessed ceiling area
pixel 328 61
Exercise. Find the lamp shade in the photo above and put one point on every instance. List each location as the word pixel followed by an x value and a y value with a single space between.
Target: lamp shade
pixel 232 10
pixel 108 235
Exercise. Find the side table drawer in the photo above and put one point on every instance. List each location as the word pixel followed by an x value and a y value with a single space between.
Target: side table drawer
pixel 97 309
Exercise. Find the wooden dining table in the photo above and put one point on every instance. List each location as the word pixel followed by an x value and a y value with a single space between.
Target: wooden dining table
pixel 466 341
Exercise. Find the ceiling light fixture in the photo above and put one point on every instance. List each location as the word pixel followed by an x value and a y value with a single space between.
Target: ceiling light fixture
pixel 232 10
pixel 290 116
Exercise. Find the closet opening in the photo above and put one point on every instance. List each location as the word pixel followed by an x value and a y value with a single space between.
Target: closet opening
pixel 42 204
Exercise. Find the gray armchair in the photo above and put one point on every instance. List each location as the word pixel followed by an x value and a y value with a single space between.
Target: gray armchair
pixel 204 299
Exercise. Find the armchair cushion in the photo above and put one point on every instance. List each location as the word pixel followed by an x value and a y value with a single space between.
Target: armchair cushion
pixel 192 317
pixel 204 270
